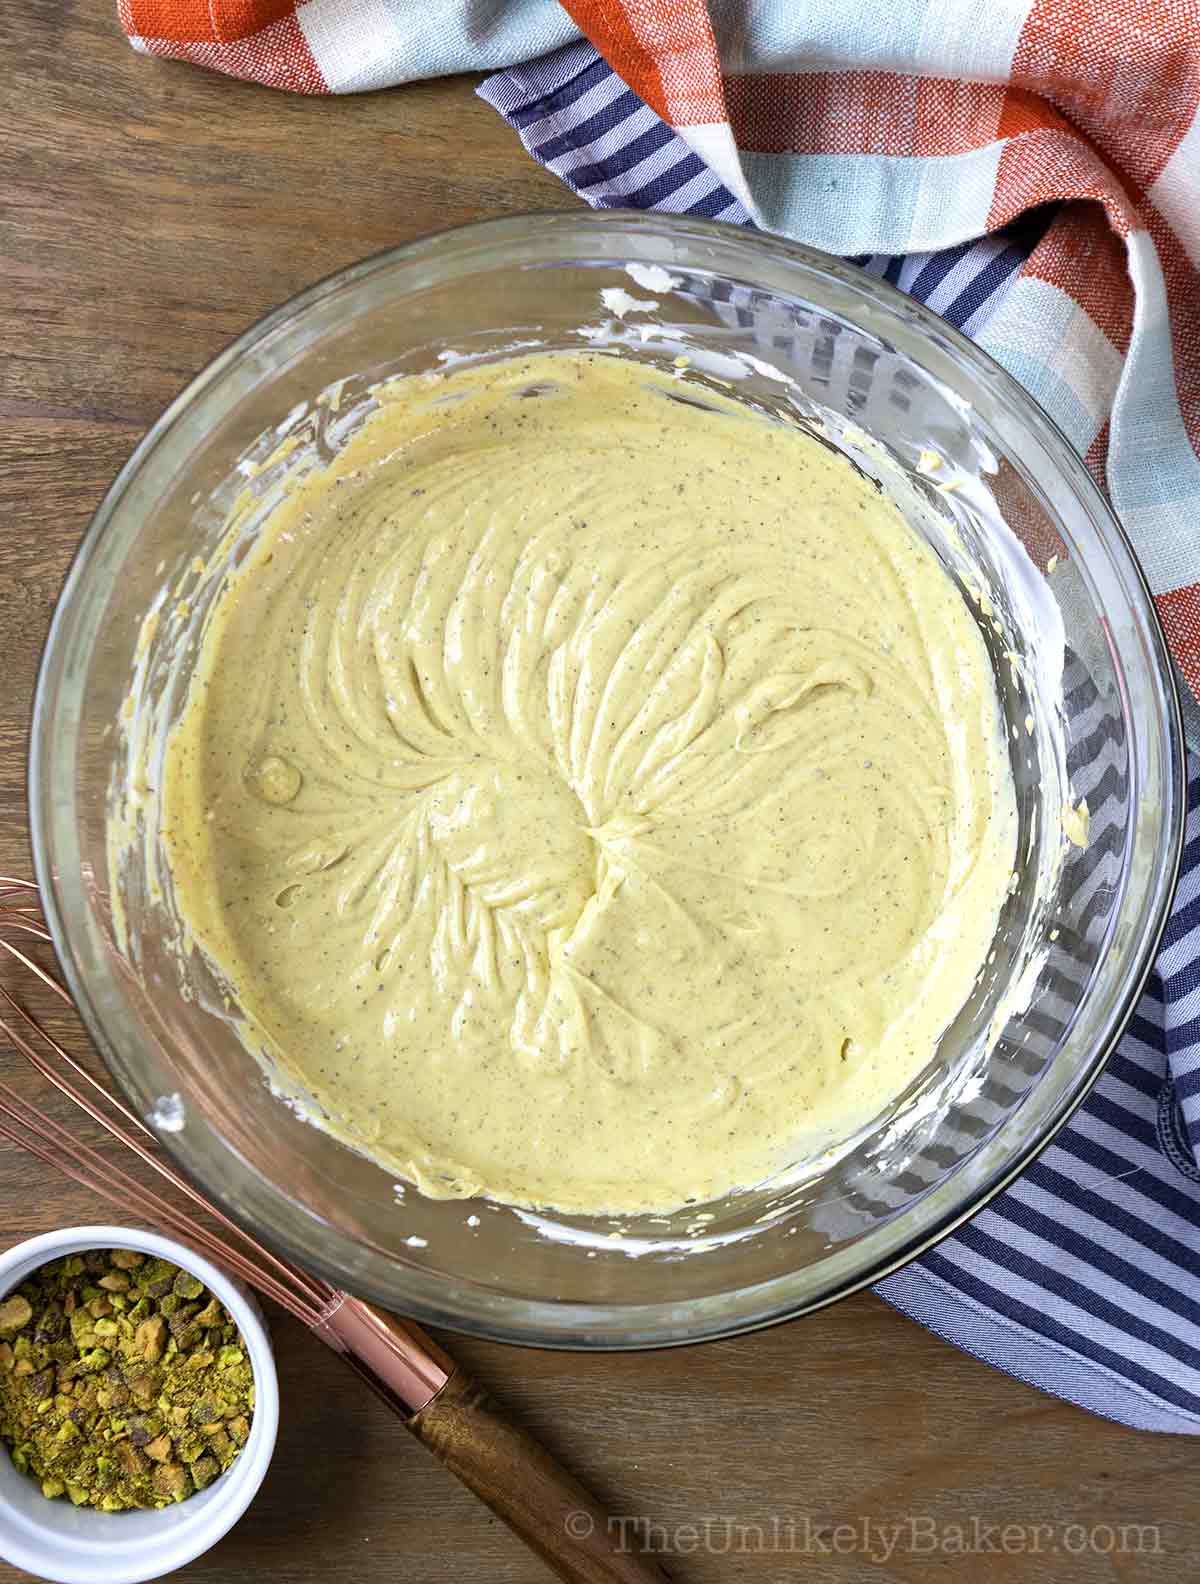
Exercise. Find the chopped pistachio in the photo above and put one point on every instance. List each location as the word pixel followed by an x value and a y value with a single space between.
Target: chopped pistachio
pixel 149 1338
pixel 123 1381
pixel 143 1428
pixel 172 1480
pixel 159 1449
pixel 15 1315
pixel 204 1470
pixel 51 1324
pixel 142 1387
pixel 82 1322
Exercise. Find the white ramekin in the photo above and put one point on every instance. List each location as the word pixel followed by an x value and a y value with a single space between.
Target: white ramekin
pixel 77 1545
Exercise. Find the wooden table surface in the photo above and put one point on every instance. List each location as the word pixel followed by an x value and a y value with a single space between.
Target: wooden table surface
pixel 148 213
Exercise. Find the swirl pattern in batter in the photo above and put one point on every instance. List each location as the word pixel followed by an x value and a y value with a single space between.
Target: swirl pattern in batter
pixel 596 799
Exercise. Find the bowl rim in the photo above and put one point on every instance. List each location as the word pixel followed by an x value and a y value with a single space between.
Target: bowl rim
pixel 562 1324
pixel 181 1536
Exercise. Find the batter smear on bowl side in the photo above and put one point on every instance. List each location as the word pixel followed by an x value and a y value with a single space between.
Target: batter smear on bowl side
pixel 595 799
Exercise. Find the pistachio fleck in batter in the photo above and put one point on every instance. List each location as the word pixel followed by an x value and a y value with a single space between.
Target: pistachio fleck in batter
pixel 597 800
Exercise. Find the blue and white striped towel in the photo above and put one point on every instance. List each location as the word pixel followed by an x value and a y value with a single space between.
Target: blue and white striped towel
pixel 1083 1277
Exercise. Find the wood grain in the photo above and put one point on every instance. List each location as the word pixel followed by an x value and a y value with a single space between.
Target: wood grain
pixel 149 212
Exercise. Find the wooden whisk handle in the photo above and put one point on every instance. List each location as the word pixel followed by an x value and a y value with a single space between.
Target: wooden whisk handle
pixel 522 1484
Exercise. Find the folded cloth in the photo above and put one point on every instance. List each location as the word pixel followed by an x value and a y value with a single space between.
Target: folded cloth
pixel 860 128
pixel 903 134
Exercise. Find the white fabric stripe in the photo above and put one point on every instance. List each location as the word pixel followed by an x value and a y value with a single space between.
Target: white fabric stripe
pixel 932 38
pixel 1153 473
pixel 353 42
pixel 362 44
pixel 874 203
pixel 954 197
pixel 975 41
pixel 1174 194
pixel 1046 341
pixel 1156 492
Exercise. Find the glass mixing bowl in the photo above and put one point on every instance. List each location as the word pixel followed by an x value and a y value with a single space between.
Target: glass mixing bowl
pixel 1084 679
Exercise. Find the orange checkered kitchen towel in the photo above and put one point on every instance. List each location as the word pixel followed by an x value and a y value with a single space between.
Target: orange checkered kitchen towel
pixel 858 128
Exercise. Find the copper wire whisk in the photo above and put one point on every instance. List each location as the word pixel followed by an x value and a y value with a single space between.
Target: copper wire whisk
pixel 436 1399
pixel 306 1297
